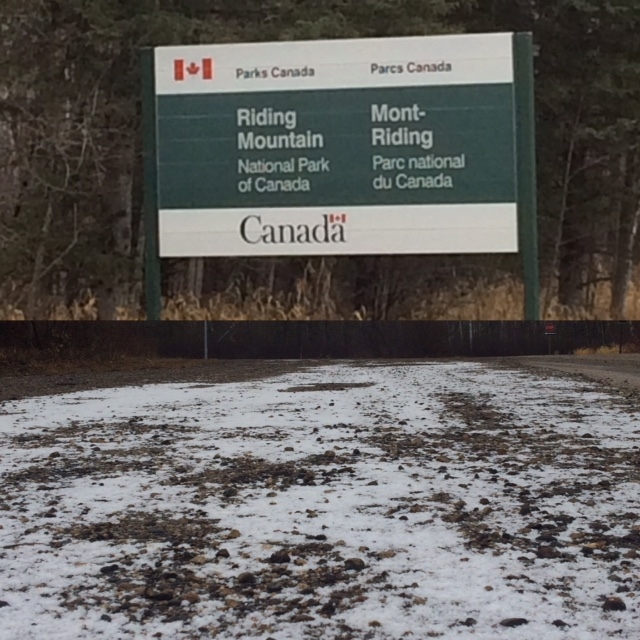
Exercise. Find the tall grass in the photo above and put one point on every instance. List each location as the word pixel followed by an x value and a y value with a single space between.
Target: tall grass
pixel 607 350
pixel 631 346
pixel 502 300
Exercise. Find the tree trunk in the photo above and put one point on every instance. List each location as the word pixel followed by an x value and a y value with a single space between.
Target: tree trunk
pixel 177 277
pixel 564 201
pixel 38 263
pixel 362 285
pixel 574 267
pixel 627 233
pixel 322 306
pixel 382 289
pixel 118 186
pixel 195 274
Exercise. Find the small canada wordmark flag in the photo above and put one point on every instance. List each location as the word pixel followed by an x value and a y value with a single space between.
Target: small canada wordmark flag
pixel 338 217
pixel 203 70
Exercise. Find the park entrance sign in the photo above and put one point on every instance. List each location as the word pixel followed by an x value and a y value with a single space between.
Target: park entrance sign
pixel 400 145
pixel 378 146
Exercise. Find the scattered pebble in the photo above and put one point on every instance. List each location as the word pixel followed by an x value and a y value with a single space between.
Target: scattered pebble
pixel 247 578
pixel 110 568
pixel 514 622
pixel 354 564
pixel 191 597
pixel 280 557
pixel 614 603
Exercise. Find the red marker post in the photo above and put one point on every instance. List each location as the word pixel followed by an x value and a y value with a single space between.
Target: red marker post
pixel 549 330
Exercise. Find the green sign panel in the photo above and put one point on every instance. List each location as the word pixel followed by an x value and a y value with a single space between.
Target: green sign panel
pixel 333 148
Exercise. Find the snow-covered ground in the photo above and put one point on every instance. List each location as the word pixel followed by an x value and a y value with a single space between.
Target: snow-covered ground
pixel 375 500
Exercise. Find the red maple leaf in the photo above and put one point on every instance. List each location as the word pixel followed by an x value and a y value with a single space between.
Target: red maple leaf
pixel 193 69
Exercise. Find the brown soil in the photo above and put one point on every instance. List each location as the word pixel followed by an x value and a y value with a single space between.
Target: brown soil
pixel 621 371
pixel 28 380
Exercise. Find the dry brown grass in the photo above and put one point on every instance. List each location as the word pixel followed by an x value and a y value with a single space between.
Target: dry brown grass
pixel 502 300
pixel 505 300
pixel 608 350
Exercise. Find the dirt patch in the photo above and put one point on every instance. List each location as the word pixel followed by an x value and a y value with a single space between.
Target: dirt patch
pixel 193 532
pixel 282 582
pixel 327 386
pixel 619 371
pixel 246 472
pixel 110 465
pixel 24 382
pixel 476 411
pixel 84 449
pixel 410 362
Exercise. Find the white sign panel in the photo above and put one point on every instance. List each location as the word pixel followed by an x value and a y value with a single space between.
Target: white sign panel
pixel 335 64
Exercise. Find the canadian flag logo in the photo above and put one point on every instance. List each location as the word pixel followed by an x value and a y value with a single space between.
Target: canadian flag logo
pixel 338 218
pixel 203 70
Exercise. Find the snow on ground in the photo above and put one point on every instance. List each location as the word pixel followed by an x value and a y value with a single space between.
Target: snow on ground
pixel 373 500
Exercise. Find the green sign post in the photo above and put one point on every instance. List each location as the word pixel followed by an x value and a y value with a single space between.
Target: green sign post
pixel 379 146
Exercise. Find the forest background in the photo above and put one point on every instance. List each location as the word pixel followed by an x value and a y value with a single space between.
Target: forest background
pixel 71 229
